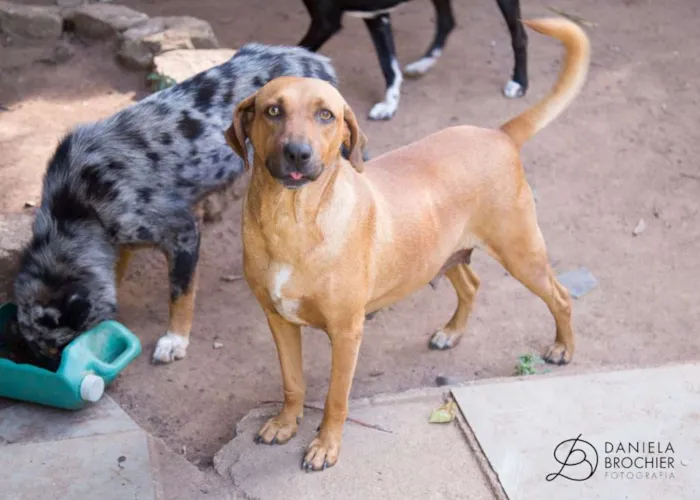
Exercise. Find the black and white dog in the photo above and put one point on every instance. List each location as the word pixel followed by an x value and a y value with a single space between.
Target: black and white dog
pixel 326 17
pixel 133 180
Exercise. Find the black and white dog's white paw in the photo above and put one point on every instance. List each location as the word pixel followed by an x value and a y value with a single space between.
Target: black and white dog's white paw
pixel 386 109
pixel 513 90
pixel 420 67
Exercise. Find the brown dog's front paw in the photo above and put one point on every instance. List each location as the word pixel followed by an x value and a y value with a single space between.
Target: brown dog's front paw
pixel 277 430
pixel 442 340
pixel 558 354
pixel 321 453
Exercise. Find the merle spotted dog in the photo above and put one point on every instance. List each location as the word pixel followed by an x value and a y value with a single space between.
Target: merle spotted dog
pixel 133 180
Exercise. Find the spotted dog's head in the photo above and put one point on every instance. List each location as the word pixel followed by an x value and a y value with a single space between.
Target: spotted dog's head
pixel 59 291
pixel 297 126
pixel 48 325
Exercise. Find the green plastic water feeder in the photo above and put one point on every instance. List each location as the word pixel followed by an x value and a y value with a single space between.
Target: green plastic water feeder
pixel 88 363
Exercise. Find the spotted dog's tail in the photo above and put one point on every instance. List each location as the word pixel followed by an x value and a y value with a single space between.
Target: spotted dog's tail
pixel 568 85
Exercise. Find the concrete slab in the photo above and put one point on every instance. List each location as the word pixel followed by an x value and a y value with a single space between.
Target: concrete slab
pixel 178 479
pixel 97 452
pixel 79 468
pixel 26 423
pixel 417 460
pixel 520 425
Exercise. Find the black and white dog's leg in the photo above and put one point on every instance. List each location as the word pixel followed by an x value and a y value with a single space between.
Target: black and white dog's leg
pixel 517 85
pixel 445 24
pixel 325 22
pixel 380 29
pixel 181 247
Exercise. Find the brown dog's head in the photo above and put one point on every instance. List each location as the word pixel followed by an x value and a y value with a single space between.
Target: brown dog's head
pixel 296 127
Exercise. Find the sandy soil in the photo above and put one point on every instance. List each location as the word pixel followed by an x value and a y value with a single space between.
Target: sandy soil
pixel 625 150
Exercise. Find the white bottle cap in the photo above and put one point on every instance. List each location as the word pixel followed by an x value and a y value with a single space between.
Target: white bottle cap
pixel 91 388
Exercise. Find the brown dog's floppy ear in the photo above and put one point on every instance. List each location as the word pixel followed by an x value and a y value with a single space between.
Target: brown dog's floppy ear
pixel 237 133
pixel 355 140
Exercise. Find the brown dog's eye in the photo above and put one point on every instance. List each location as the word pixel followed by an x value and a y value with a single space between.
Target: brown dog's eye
pixel 273 111
pixel 325 115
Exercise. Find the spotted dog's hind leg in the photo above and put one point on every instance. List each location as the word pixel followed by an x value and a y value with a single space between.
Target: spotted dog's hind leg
pixel 181 248
pixel 122 264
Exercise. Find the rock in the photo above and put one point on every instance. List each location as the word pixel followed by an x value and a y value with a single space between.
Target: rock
pixel 218 345
pixel 30 21
pixel 104 21
pixel 182 64
pixel 139 53
pixel 578 282
pixel 639 229
pixel 15 232
pixel 199 31
pixel 61 53
pixel 161 34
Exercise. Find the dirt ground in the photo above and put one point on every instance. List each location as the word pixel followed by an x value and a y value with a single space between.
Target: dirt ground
pixel 627 149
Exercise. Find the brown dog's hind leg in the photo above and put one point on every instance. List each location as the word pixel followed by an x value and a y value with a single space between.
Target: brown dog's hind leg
pixel 520 248
pixel 541 281
pixel 466 283
pixel 283 427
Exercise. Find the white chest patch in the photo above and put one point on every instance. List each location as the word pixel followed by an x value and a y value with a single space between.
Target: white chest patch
pixel 280 274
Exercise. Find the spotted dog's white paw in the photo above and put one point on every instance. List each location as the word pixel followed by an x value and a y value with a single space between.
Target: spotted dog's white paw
pixel 170 347
pixel 513 90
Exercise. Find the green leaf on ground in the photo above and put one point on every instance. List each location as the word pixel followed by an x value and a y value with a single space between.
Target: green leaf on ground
pixel 159 82
pixel 445 414
pixel 527 365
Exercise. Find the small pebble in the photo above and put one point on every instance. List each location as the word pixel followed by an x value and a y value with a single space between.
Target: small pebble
pixel 442 380
pixel 578 282
pixel 641 226
pixel 218 345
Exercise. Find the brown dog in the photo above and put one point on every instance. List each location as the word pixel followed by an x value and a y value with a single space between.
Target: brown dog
pixel 325 243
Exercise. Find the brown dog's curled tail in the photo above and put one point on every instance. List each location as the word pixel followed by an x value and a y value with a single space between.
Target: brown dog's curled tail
pixel 569 84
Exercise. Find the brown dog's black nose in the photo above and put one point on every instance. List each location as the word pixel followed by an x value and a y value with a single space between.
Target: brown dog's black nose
pixel 298 153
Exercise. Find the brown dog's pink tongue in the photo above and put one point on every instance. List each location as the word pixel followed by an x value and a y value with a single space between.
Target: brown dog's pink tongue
pixel 295 175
